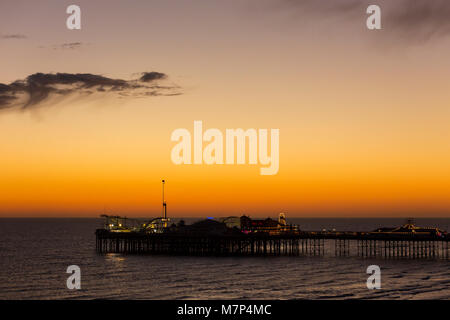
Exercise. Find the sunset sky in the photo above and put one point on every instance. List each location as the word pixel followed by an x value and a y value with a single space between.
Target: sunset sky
pixel 364 116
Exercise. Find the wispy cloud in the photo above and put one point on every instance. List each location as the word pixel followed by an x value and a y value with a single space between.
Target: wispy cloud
pixel 70 45
pixel 38 88
pixel 13 36
pixel 326 6
pixel 420 20
pixel 402 20
pixel 65 46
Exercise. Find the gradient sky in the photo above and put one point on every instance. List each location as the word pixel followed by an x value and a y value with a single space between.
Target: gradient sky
pixel 363 115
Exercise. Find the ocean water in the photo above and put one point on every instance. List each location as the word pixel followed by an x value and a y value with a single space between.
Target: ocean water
pixel 35 253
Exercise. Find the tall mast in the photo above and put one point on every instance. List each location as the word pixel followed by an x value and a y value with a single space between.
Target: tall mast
pixel 163 201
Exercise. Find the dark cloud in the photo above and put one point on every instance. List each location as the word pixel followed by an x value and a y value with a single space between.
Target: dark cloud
pixel 40 87
pixel 13 36
pixel 402 20
pixel 151 76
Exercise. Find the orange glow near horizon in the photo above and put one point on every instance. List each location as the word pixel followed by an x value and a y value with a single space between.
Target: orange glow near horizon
pixel 84 187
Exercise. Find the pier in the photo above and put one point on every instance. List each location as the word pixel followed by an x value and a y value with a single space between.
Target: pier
pixel 243 236
pixel 301 244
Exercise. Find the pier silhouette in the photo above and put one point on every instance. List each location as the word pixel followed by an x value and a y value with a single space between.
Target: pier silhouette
pixel 243 236
pixel 295 243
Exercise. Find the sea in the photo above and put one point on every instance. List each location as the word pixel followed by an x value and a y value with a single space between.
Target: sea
pixel 35 254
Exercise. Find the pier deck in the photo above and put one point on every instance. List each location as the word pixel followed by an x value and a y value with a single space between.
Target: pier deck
pixel 298 244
